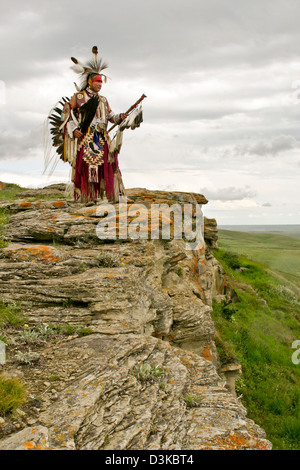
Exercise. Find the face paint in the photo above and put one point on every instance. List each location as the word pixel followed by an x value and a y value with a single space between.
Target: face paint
pixel 98 78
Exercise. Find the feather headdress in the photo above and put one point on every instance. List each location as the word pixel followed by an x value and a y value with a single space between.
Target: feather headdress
pixel 93 66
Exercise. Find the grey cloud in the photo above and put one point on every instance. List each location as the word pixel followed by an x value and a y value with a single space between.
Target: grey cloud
pixel 228 194
pixel 274 147
pixel 154 39
pixel 20 144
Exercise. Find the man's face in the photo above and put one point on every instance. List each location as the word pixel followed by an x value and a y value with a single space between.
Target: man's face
pixel 95 85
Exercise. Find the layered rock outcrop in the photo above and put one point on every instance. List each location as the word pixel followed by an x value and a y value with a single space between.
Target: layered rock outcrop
pixel 148 375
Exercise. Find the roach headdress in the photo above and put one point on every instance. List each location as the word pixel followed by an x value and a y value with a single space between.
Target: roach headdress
pixel 93 66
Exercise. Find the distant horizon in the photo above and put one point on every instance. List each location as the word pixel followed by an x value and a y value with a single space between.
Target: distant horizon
pixel 289 230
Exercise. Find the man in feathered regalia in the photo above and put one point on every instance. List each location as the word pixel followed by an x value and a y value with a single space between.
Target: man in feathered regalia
pixel 80 135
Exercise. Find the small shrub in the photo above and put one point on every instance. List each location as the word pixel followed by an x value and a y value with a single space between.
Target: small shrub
pixel 30 337
pixel 84 331
pixel 54 378
pixel 165 387
pixel 65 329
pixel 192 401
pixel 68 330
pixel 4 219
pixel 226 309
pixel 225 353
pixel 232 260
pixel 67 303
pixel 240 386
pixel 146 371
pixel 108 260
pixel 10 315
pixel 287 294
pixel 180 271
pixel 12 395
pixel 46 331
pixel 82 268
pixel 157 371
pixel 3 243
pixel 142 372
pixel 27 358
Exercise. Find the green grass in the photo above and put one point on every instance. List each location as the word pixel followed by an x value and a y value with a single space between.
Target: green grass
pixel 10 315
pixel 4 220
pixel 10 191
pixel 12 395
pixel 279 252
pixel 258 331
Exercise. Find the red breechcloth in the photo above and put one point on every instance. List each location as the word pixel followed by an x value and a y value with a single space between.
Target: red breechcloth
pixel 90 191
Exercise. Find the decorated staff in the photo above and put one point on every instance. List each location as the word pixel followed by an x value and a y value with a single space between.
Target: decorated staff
pixel 139 113
pixel 131 121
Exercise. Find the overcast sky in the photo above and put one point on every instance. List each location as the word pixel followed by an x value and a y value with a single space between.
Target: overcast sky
pixel 222 79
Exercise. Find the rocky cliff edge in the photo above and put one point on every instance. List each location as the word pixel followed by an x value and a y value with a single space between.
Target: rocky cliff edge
pixel 146 374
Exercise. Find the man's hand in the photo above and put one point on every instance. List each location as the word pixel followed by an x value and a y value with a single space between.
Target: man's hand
pixel 122 117
pixel 77 134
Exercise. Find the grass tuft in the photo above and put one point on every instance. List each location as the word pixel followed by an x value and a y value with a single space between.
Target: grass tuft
pixel 10 315
pixel 12 395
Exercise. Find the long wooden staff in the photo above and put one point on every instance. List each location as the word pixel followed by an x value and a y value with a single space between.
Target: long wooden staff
pixel 129 110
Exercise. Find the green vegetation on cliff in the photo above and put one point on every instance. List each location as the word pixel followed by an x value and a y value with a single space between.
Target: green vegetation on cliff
pixel 10 192
pixel 258 328
pixel 279 252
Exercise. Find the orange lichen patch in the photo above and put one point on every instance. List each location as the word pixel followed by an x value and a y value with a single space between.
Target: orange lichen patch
pixel 111 276
pixel 29 445
pixel 25 205
pixel 76 217
pixel 58 203
pixel 92 211
pixel 206 352
pixel 40 253
pixel 238 440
